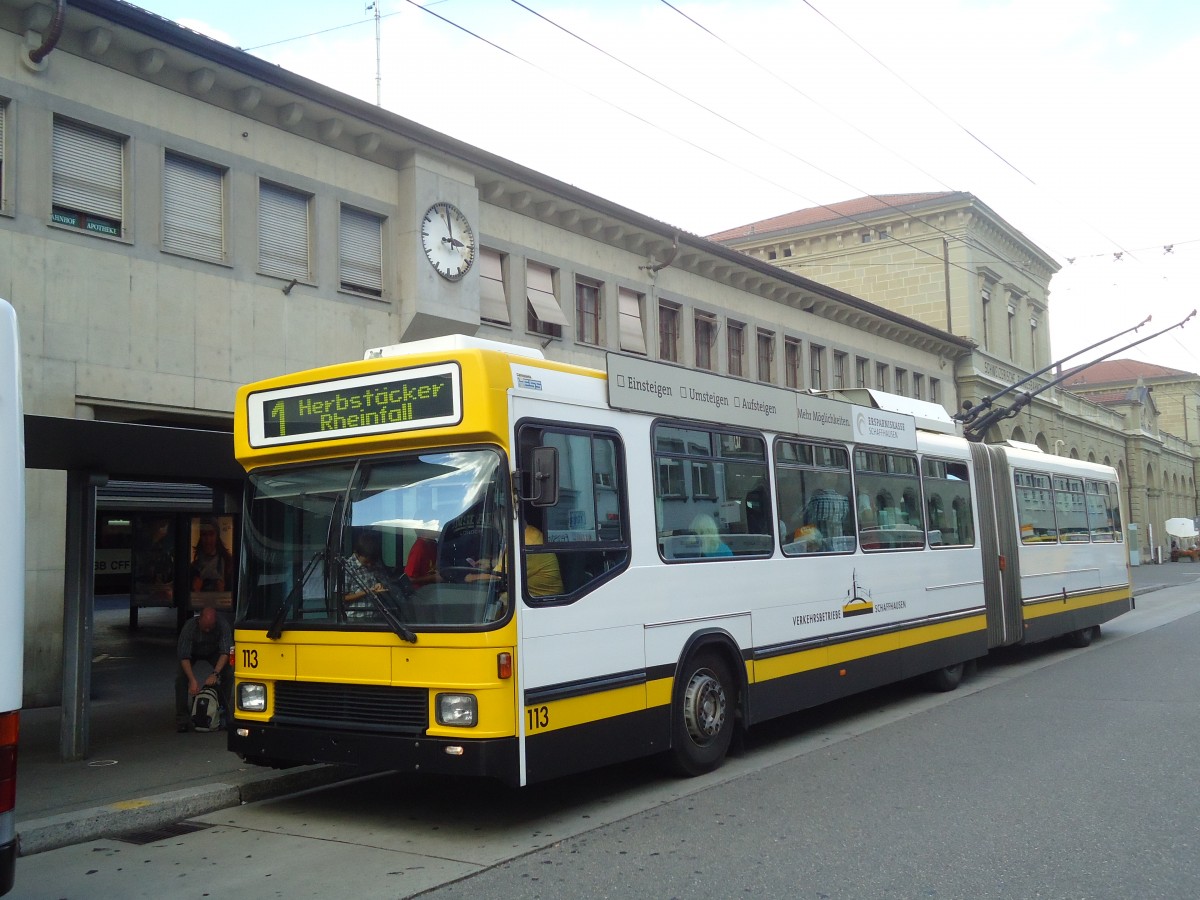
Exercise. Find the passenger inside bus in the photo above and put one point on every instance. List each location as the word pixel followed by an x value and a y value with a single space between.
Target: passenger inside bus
pixel 365 573
pixel 827 509
pixel 421 565
pixel 705 528
pixel 542 575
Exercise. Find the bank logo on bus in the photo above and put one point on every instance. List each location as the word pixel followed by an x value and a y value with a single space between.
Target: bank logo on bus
pixel 379 403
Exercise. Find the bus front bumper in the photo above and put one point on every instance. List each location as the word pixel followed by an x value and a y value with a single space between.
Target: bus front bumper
pixel 283 745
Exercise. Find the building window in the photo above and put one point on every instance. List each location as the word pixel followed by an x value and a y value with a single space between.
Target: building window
pixel 860 371
pixel 543 314
pixel 283 232
pixel 791 362
pixel 839 371
pixel 706 338
pixel 493 299
pixel 587 312
pixel 881 376
pixel 918 385
pixel 3 194
pixel 1033 358
pixel 1012 322
pixel 766 356
pixel 901 381
pixel 193 208
pixel 736 335
pixel 985 298
pixel 771 254
pixel 816 367
pixel 88 180
pixel 633 334
pixel 935 391
pixel 787 251
pixel 360 252
pixel 668 332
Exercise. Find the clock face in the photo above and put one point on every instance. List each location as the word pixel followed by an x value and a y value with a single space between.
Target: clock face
pixel 448 240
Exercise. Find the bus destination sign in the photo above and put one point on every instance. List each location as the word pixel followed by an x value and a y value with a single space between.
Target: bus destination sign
pixel 380 403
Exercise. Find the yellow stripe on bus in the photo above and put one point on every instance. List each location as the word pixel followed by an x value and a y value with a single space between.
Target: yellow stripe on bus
pixel 658 693
pixel 1051 606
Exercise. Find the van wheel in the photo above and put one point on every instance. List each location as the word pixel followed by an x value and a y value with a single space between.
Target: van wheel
pixel 1083 637
pixel 946 678
pixel 702 717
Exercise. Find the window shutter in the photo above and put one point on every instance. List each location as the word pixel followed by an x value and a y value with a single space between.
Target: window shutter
pixel 88 170
pixel 283 232
pixel 493 304
pixel 193 208
pixel 360 251
pixel 633 337
pixel 541 295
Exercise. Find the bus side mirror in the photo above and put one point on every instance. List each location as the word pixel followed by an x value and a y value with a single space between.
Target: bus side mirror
pixel 543 476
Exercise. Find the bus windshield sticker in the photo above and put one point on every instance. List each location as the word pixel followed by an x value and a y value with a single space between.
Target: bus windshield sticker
pixel 380 403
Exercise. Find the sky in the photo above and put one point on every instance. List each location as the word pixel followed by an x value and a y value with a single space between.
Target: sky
pixel 1074 120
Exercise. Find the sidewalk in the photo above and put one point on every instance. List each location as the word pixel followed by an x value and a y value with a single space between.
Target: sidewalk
pixel 140 774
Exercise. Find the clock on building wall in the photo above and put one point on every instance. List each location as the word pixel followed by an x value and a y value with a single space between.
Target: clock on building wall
pixel 448 240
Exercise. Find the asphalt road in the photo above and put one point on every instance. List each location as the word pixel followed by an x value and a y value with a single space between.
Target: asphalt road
pixel 1052 773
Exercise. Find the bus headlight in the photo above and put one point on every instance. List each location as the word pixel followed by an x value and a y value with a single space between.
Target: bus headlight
pixel 252 697
pixel 457 709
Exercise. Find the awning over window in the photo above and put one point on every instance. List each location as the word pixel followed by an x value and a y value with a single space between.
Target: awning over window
pixel 540 284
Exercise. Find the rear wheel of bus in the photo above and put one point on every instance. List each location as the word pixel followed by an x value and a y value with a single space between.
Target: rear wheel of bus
pixel 702 717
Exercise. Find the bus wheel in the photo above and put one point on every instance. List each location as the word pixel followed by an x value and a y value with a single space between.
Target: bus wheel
pixel 946 678
pixel 702 721
pixel 1083 637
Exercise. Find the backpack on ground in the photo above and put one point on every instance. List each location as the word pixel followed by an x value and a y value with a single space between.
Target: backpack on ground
pixel 207 713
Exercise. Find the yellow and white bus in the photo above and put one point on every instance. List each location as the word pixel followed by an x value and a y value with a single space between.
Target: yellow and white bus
pixel 460 557
pixel 12 583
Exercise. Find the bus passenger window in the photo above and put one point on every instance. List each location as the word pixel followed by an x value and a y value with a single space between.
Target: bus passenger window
pixel 888 490
pixel 812 482
pixel 585 529
pixel 948 503
pixel 1104 520
pixel 712 493
pixel 1035 508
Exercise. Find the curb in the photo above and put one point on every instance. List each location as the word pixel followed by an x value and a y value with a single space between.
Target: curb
pixel 66 829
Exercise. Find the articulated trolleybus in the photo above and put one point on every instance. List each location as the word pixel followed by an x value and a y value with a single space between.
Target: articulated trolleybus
pixel 460 557
pixel 12 582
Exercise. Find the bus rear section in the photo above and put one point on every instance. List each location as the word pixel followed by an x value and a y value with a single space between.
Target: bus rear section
pixel 12 583
pixel 1055 560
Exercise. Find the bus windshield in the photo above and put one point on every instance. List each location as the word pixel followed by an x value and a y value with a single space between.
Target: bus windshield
pixel 401 542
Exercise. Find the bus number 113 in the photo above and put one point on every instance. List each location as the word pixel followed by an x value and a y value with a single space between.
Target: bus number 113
pixel 537 718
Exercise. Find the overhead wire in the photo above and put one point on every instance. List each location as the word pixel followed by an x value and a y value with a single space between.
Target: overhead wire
pixel 906 214
pixel 881 199
pixel 748 131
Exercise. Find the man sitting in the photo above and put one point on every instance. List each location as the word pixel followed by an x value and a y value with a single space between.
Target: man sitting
pixel 206 638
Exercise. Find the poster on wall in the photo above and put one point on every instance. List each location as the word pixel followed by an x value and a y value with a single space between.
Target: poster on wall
pixel 212 568
pixel 153 561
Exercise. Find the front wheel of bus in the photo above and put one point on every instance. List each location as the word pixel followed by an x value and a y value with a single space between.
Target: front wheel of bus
pixel 703 716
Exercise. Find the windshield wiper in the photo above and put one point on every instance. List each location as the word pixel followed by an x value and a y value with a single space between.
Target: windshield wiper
pixel 276 629
pixel 387 608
